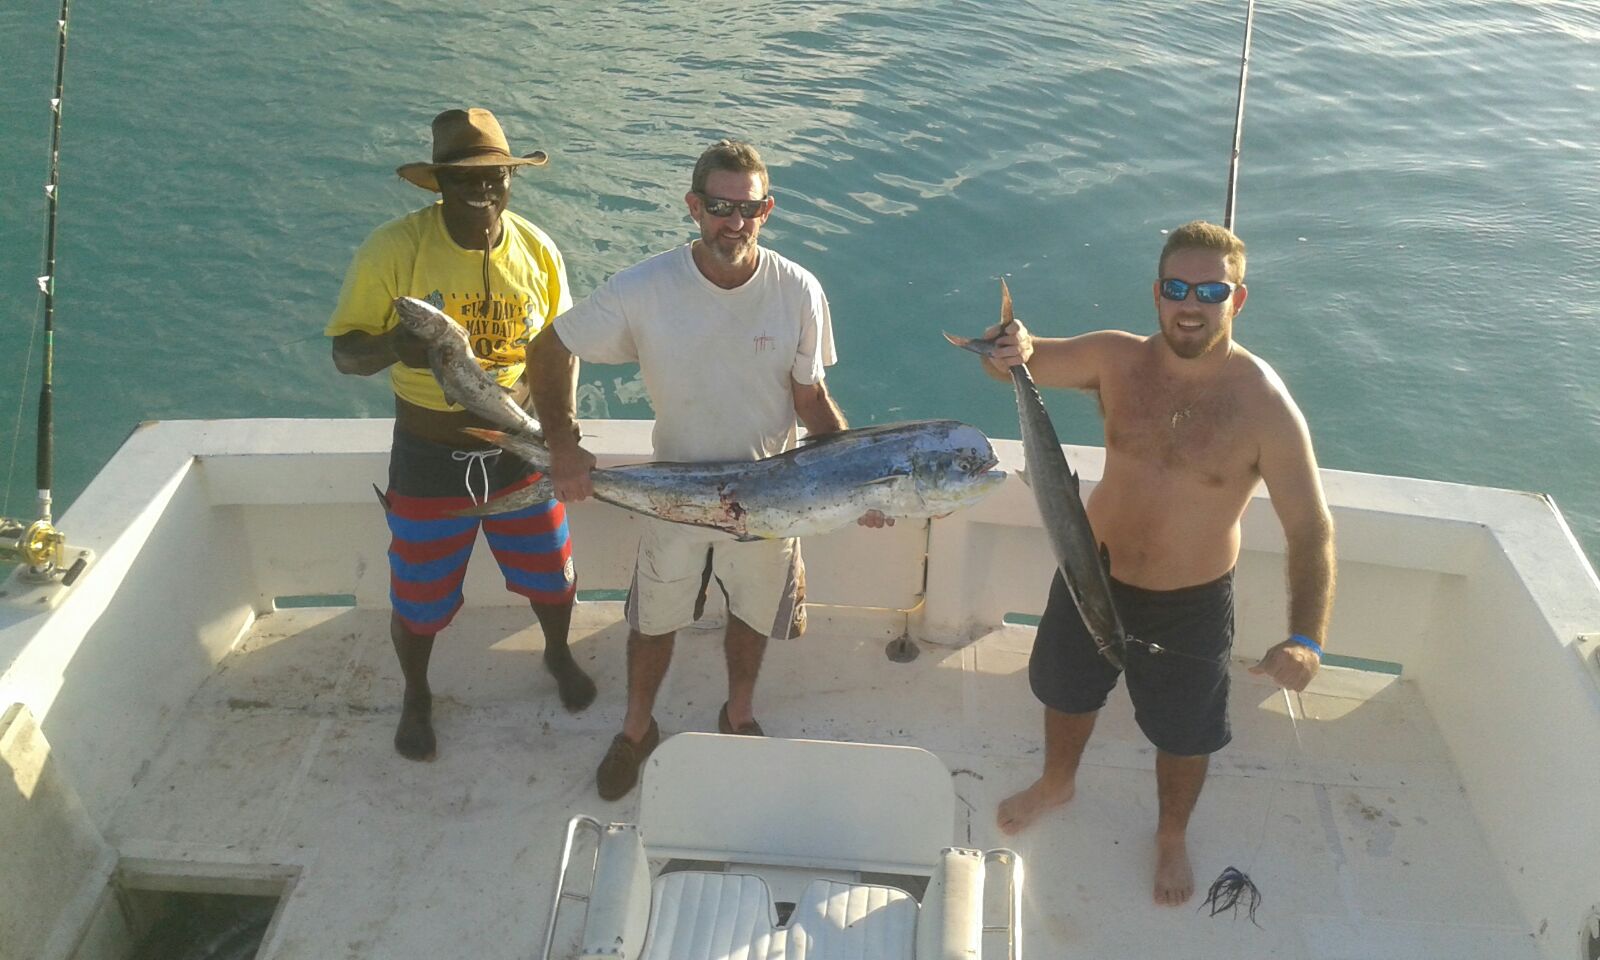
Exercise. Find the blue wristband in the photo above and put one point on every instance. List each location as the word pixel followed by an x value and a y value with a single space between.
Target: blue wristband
pixel 1306 641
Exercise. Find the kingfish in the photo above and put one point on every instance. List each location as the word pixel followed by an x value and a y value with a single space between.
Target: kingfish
pixel 926 468
pixel 456 367
pixel 1084 566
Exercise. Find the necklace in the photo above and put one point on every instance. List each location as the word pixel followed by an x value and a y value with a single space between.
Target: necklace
pixel 1179 416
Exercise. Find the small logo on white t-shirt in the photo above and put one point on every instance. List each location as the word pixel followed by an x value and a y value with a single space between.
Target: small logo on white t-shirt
pixel 765 343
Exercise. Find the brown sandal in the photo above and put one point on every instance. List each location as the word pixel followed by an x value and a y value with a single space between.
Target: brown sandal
pixel 751 729
pixel 619 771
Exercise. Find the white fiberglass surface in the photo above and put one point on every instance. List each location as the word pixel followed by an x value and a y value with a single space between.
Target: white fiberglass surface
pixel 1349 818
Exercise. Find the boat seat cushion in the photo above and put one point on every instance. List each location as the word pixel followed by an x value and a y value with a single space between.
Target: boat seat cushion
pixel 729 916
pixel 852 921
pixel 696 915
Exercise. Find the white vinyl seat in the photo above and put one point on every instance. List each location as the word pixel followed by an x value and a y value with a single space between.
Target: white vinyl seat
pixel 716 916
pixel 793 809
pixel 701 915
pixel 852 920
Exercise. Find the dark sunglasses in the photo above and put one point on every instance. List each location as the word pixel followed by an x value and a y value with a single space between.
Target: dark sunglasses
pixel 1212 291
pixel 464 176
pixel 749 209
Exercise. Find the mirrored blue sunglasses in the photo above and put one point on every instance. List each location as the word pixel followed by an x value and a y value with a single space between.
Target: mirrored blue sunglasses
pixel 1212 291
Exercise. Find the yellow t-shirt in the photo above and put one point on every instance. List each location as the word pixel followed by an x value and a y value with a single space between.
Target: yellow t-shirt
pixel 413 256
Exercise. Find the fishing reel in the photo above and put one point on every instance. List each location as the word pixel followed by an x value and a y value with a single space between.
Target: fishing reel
pixel 40 548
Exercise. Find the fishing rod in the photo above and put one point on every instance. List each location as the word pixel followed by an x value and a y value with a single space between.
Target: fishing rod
pixel 1233 888
pixel 1229 206
pixel 39 545
pixel 1230 203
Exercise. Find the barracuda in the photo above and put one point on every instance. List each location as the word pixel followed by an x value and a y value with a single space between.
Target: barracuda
pixel 926 468
pixel 457 369
pixel 1055 489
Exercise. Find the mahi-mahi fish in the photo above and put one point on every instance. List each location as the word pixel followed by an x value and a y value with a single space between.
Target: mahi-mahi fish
pixel 456 367
pixel 925 468
pixel 1055 489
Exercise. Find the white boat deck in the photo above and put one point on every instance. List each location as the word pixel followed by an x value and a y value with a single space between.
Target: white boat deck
pixel 1358 832
pixel 166 727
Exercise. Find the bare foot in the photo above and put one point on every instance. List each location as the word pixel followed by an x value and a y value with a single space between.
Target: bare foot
pixel 1022 808
pixel 413 738
pixel 577 690
pixel 1174 879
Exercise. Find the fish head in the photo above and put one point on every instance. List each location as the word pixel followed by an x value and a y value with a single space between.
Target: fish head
pixel 427 321
pixel 956 472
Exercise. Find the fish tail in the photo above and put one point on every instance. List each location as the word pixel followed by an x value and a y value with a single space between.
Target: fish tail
pixel 983 348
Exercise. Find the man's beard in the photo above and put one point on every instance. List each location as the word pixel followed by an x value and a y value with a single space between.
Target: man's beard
pixel 1188 348
pixel 731 251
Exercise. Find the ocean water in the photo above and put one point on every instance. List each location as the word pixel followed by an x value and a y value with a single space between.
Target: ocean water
pixel 1418 189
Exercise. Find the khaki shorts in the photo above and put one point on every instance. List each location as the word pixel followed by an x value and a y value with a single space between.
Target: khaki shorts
pixel 764 581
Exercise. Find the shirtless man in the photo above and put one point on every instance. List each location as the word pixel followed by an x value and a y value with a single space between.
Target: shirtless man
pixel 1192 422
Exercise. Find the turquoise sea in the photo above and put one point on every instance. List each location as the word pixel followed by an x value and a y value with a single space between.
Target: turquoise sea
pixel 1419 191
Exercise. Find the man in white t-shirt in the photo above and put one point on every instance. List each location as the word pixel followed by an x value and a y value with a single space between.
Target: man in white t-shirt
pixel 732 341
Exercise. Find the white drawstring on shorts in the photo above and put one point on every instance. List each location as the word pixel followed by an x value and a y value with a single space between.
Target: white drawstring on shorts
pixel 477 457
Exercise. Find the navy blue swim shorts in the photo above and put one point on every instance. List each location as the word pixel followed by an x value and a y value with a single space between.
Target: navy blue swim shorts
pixel 1180 695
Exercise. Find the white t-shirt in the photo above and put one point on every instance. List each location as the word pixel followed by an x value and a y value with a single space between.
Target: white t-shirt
pixel 717 363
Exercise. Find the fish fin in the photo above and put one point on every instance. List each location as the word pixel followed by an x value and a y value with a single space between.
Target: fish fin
pixel 1025 476
pixel 816 439
pixel 1105 558
pixel 705 586
pixel 537 492
pixel 1006 316
pixel 381 498
pixel 492 436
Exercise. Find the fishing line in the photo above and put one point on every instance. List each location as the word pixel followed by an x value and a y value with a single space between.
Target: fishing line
pixel 16 430
pixel 47 287
pixel 1158 649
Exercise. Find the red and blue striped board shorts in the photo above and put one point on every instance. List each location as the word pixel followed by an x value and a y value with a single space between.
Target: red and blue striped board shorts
pixel 429 549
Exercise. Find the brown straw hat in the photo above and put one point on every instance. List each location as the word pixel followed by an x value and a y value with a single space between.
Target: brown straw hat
pixel 467 138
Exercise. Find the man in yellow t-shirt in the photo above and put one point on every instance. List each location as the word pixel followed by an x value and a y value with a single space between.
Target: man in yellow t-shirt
pixel 502 279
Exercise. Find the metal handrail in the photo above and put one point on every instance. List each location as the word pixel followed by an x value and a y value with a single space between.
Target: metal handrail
pixel 1013 925
pixel 561 875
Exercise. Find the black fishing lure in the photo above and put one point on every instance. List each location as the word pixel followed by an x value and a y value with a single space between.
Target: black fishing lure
pixel 1230 888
